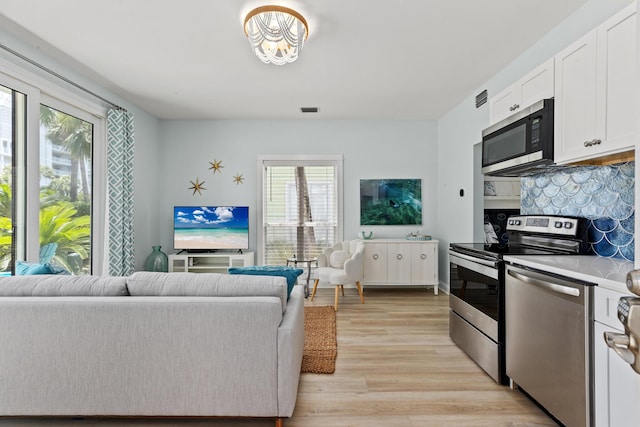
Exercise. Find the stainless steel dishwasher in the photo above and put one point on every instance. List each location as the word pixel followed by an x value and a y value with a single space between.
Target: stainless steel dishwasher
pixel 548 322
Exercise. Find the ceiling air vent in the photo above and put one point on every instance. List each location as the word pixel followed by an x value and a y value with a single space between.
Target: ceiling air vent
pixel 481 98
pixel 309 109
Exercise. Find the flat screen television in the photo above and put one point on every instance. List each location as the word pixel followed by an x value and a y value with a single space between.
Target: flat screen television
pixel 210 228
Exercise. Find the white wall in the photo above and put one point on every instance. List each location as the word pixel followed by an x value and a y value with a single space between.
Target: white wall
pixel 461 128
pixel 458 131
pixel 371 149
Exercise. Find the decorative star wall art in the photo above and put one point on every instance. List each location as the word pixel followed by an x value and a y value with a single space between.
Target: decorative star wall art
pixel 216 165
pixel 197 186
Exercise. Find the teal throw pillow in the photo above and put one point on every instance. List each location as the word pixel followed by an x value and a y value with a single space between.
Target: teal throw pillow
pixel 25 268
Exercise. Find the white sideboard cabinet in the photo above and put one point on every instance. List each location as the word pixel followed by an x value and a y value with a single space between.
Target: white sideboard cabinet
pixel 216 262
pixel 401 262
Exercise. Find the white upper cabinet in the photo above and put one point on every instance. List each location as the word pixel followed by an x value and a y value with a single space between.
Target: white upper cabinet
pixel 536 85
pixel 594 91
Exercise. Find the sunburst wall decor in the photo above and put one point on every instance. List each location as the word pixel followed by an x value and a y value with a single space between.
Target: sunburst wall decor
pixel 216 165
pixel 197 186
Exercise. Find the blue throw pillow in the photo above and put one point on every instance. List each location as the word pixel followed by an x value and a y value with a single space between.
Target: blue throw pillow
pixel 25 268
pixel 290 273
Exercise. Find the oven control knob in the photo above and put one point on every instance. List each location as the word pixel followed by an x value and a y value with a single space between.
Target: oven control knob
pixel 568 225
pixel 557 224
pixel 516 222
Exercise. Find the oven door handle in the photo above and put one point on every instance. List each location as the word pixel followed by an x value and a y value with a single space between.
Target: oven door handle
pixel 560 289
pixel 483 267
pixel 488 263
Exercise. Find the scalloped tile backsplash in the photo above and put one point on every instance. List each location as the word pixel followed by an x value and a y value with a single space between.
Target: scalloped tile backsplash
pixel 602 194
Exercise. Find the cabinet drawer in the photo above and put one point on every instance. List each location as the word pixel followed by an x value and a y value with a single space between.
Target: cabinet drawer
pixel 605 307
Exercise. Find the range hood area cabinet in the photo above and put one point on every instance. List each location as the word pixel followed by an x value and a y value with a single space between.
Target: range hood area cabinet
pixel 594 87
pixel 534 86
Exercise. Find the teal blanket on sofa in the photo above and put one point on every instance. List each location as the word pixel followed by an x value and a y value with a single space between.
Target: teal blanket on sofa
pixel 290 273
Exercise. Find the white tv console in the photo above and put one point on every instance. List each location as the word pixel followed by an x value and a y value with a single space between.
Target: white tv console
pixel 213 262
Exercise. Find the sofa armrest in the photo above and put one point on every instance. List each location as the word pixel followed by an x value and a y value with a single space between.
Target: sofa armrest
pixel 290 348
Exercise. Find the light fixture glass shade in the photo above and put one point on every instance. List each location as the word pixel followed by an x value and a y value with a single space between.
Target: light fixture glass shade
pixel 276 33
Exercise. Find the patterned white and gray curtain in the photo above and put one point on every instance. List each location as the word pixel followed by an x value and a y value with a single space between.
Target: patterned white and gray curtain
pixel 120 150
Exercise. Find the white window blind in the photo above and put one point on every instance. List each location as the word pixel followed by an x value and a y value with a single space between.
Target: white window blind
pixel 300 209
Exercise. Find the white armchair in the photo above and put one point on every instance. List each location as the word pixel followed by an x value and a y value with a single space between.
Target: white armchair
pixel 340 265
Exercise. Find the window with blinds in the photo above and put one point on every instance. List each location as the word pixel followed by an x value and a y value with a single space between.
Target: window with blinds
pixel 300 209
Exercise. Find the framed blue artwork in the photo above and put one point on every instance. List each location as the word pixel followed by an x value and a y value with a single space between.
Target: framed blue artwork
pixel 390 202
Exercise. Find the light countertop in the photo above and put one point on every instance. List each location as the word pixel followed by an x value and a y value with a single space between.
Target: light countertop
pixel 609 273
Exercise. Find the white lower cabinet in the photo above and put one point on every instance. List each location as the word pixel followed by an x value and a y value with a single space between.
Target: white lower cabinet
pixel 616 385
pixel 400 262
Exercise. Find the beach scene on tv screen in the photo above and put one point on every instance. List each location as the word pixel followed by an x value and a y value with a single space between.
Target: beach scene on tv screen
pixel 220 227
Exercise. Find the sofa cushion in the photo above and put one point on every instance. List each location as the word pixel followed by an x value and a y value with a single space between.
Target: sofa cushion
pixel 46 285
pixel 147 283
pixel 289 273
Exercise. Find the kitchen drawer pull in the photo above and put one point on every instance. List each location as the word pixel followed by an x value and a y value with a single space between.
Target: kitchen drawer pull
pixel 399 256
pixel 514 107
pixel 620 344
pixel 566 290
pixel 375 256
pixel 592 142
pixel 423 256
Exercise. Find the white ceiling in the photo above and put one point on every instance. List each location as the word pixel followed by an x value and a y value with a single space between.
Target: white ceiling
pixel 364 59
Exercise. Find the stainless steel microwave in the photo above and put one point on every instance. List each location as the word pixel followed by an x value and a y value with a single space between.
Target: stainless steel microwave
pixel 521 143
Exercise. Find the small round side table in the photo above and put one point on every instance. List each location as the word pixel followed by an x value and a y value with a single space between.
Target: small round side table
pixel 295 261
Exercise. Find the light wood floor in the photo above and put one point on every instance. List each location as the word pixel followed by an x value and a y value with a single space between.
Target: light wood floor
pixel 396 366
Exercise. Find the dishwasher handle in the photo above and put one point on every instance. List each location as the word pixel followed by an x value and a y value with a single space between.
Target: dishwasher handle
pixel 561 289
pixel 620 344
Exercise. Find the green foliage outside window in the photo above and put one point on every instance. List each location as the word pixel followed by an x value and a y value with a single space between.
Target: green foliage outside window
pixel 65 202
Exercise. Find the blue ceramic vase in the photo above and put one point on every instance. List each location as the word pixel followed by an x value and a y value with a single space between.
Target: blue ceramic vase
pixel 157 260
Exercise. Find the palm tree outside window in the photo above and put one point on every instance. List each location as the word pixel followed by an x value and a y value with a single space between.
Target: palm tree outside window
pixel 65 192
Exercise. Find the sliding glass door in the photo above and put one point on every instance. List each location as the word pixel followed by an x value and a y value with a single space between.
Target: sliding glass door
pixel 12 143
pixel 47 169
pixel 66 146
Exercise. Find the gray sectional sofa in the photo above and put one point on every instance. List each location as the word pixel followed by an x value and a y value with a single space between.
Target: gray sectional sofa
pixel 152 344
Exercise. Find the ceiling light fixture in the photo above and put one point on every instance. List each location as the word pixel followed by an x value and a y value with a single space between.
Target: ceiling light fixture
pixel 276 33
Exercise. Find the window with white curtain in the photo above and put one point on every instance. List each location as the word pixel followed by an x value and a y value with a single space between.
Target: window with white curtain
pixel 300 206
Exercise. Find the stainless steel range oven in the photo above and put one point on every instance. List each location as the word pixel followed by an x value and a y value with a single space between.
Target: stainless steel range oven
pixel 476 283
